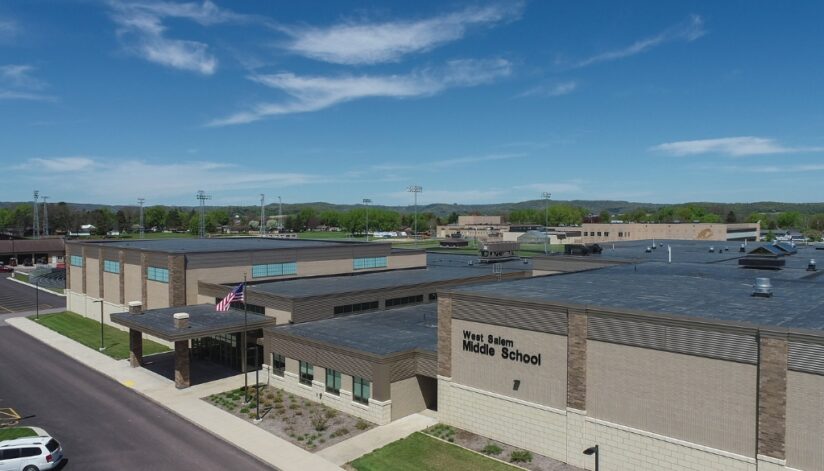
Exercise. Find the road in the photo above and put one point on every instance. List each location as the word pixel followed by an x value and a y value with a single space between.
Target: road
pixel 15 297
pixel 101 424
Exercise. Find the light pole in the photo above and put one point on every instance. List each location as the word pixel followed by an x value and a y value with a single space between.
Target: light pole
pixel 262 228
pixel 546 196
pixel 102 347
pixel 245 346
pixel 366 202
pixel 415 189
pixel 280 214
pixel 140 201
pixel 37 298
pixel 45 216
pixel 593 450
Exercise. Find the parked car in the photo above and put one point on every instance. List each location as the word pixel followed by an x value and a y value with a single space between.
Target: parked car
pixel 5 268
pixel 37 453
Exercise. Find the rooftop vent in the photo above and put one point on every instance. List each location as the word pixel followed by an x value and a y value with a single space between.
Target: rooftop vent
pixel 811 265
pixel 743 248
pixel 712 249
pixel 181 320
pixel 648 250
pixel 762 287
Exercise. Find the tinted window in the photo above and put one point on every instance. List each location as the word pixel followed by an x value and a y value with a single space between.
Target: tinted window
pixel 10 453
pixel 52 445
pixel 33 451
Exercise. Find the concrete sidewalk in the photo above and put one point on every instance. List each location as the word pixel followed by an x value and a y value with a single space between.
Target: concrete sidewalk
pixel 359 445
pixel 186 402
pixel 4 317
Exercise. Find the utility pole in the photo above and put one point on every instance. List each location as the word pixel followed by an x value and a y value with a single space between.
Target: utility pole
pixel 202 197
pixel 262 228
pixel 415 189
pixel 280 214
pixel 45 217
pixel 140 201
pixel 35 229
pixel 546 196
pixel 366 202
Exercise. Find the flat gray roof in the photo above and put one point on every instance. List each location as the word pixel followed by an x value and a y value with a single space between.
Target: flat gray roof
pixel 456 260
pixel 311 287
pixel 204 320
pixel 715 291
pixel 217 244
pixel 380 332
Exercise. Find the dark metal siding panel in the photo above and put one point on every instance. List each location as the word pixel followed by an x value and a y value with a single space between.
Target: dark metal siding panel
pixel 218 259
pixel 159 260
pixel 111 254
pixel 403 368
pixel 427 364
pixel 519 317
pixel 132 257
pixel 273 256
pixel 806 357
pixel 325 357
pixel 706 343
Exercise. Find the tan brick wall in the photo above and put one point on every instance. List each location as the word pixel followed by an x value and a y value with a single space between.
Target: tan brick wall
pixel 92 276
pixel 132 282
pixel 445 336
pixel 111 287
pixel 407 397
pixel 805 421
pixel 577 361
pixel 772 396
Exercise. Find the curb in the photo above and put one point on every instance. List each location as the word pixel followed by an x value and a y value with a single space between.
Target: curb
pixel 12 278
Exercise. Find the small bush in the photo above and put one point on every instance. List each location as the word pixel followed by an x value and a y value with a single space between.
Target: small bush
pixel 320 420
pixel 300 412
pixel 322 440
pixel 362 424
pixel 244 410
pixel 520 456
pixel 300 438
pixel 278 399
pixel 294 406
pixel 340 432
pixel 252 415
pixel 491 449
pixel 331 413
pixel 270 395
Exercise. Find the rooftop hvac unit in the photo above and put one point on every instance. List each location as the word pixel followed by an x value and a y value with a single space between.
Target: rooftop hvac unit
pixel 762 287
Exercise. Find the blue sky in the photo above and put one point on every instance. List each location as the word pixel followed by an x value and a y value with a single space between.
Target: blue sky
pixel 476 102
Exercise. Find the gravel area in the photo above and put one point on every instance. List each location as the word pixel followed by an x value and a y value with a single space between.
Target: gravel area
pixel 495 449
pixel 308 424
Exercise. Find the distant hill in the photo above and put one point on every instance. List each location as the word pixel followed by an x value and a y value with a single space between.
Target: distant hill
pixel 444 209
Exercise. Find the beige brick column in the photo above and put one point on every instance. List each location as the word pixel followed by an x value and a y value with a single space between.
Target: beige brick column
pixel 67 260
pixel 144 294
pixel 445 336
pixel 100 274
pixel 577 360
pixel 772 394
pixel 182 363
pixel 121 258
pixel 177 280
pixel 381 382
pixel 83 268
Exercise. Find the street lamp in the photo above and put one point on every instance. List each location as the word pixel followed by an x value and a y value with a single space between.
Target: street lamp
pixel 37 298
pixel 366 202
pixel 593 450
pixel 546 196
pixel 101 323
pixel 415 189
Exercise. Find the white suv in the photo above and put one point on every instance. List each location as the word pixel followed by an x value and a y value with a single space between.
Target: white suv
pixel 30 453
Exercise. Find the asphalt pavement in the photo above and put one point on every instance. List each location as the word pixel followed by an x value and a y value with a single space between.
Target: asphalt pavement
pixel 101 424
pixel 16 297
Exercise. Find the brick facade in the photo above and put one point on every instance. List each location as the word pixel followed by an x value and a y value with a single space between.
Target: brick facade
pixel 177 280
pixel 445 336
pixel 577 361
pixel 772 396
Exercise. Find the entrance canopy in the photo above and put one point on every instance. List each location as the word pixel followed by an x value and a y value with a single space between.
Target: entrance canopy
pixel 203 321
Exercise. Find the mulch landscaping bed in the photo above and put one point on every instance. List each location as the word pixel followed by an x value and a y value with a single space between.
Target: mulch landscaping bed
pixel 308 424
pixel 495 449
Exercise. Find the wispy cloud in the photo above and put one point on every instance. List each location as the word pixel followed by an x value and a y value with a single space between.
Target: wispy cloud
pixel 551 90
pixel 447 163
pixel 103 177
pixel 18 83
pixel 687 31
pixel 556 188
pixel 790 168
pixel 731 146
pixel 313 93
pixel 372 43
pixel 140 26
pixel 8 29
pixel 487 195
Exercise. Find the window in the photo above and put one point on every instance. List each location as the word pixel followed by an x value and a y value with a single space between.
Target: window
pixel 586 233
pixel 32 451
pixel 620 234
pixel 76 261
pixel 157 274
pixel 274 269
pixel 333 381
pixel 433 296
pixel 606 234
pixel 361 389
pixel 307 373
pixel 369 262
pixel 278 364
pixel 355 308
pixel 9 454
pixel 599 234
pixel 52 445
pixel 404 300
pixel 111 266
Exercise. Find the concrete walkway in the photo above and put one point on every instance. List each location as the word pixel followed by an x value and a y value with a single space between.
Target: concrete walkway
pixel 378 437
pixel 186 403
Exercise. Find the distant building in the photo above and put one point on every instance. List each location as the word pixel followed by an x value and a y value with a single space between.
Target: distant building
pixel 669 231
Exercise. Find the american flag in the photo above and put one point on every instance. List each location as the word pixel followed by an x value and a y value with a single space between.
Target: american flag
pixel 235 295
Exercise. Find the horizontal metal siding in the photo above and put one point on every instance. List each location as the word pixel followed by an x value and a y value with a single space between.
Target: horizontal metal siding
pixel 218 259
pixel 806 357
pixel 309 254
pixel 403 368
pixel 427 364
pixel 132 257
pixel 322 357
pixel 705 343
pixel 160 260
pixel 519 317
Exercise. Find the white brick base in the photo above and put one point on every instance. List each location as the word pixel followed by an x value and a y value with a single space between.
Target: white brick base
pixel 564 434
pixel 376 412
pixel 82 304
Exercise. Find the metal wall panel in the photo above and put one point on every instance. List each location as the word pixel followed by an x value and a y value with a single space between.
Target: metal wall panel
pixel 806 357
pixel 511 315
pixel 132 257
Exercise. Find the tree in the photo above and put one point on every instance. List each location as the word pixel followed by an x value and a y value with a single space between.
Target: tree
pixel 453 218
pixel 174 219
pixel 731 218
pixel 155 217
pixel 604 217
pixel 788 219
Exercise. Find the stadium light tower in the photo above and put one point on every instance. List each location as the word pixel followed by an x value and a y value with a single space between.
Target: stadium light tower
pixel 35 226
pixel 415 189
pixel 45 216
pixel 262 228
pixel 546 196
pixel 366 202
pixel 202 197
pixel 280 214
pixel 140 202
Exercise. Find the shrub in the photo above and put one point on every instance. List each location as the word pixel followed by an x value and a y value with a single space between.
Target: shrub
pixel 520 456
pixel 491 449
pixel 320 420
pixel 340 432
pixel 322 440
pixel 294 406
pixel 331 413
pixel 252 415
pixel 300 438
pixel 278 399
pixel 362 424
pixel 244 410
pixel 300 412
pixel 270 395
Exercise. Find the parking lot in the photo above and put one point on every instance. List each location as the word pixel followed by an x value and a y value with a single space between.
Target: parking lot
pixel 15 297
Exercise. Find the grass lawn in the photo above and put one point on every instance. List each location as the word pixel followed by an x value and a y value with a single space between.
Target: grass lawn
pixel 16 432
pixel 419 452
pixel 87 332
pixel 21 276
pixel 328 235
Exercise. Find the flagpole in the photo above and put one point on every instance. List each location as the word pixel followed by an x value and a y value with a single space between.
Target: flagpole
pixel 245 346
